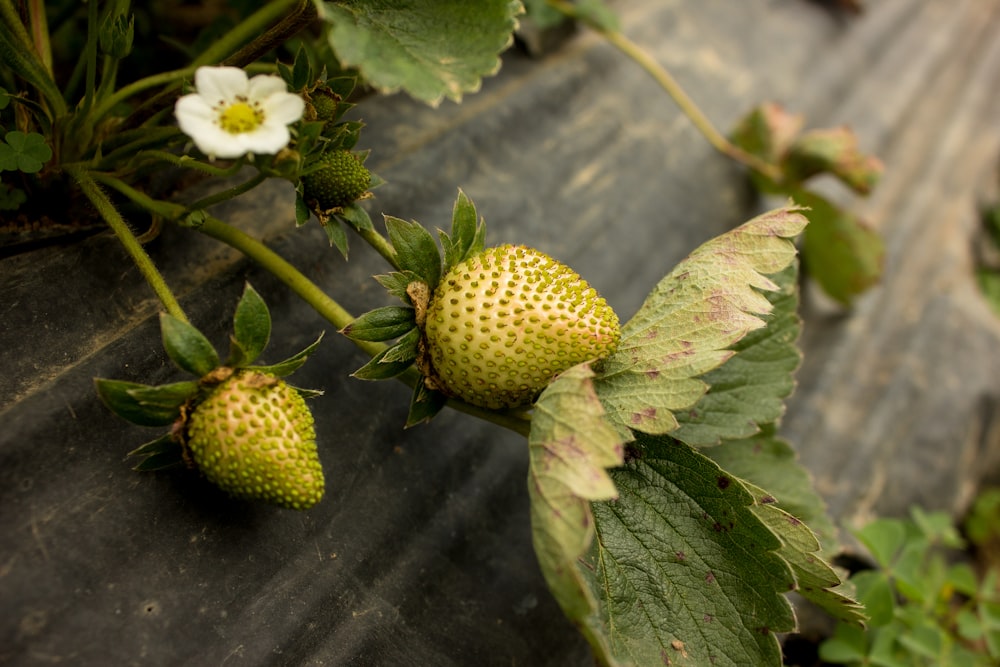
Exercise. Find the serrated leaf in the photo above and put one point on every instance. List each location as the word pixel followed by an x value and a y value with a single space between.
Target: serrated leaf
pixel 834 150
pixel 694 315
pixel 424 405
pixel 251 328
pixel 187 347
pixel 397 281
pixel 379 369
pixel 815 580
pixel 841 253
pixel 432 49
pixel 684 570
pixel 381 324
pixel 415 248
pixel 749 389
pixel 144 404
pixel 292 363
pixel 570 447
pixel 770 463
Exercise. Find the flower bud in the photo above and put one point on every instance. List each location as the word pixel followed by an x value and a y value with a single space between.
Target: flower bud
pixel 116 35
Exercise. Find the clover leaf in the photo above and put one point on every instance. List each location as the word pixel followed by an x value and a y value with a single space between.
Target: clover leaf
pixel 25 152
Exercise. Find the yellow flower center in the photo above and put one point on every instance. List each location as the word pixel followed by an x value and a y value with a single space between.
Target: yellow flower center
pixel 240 117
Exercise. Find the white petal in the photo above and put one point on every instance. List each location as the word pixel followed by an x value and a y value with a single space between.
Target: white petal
pixel 214 142
pixel 267 139
pixel 220 83
pixel 283 108
pixel 263 86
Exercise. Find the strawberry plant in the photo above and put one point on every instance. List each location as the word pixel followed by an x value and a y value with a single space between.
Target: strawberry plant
pixel 669 518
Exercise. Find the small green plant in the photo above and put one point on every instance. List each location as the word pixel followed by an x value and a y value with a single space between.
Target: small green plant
pixel 925 605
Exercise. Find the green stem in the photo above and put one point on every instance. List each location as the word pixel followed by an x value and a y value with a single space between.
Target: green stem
pixel 10 17
pixel 131 244
pixel 135 87
pixel 90 56
pixel 188 162
pixel 674 89
pixel 229 193
pixel 40 33
pixel 256 24
pixel 25 63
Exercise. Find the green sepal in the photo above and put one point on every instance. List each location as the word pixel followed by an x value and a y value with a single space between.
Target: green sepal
pixel 302 73
pixel 424 405
pixel 405 348
pixel 302 210
pixel 292 363
pixel 381 324
pixel 468 233
pixel 251 329
pixel 145 404
pixel 415 248
pixel 164 452
pixel 357 217
pixel 336 234
pixel 378 369
pixel 308 393
pixel 397 282
pixel 342 85
pixel 187 347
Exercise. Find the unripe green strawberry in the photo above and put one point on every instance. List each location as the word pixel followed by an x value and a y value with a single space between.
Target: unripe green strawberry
pixel 253 437
pixel 341 180
pixel 502 324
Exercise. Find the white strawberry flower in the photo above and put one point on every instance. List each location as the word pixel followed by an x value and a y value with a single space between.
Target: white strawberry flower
pixel 231 115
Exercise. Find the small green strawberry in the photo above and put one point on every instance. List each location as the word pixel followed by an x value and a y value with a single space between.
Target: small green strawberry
pixel 342 179
pixel 253 437
pixel 503 323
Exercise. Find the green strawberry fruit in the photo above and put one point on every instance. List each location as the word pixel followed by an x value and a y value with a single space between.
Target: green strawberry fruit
pixel 502 324
pixel 341 180
pixel 253 437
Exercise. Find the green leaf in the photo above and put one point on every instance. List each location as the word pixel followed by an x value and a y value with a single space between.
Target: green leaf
pixel 682 566
pixel 468 233
pixel 884 539
pixel 750 388
pixel 693 316
pixel 397 282
pixel 770 463
pixel 843 255
pixel 875 592
pixel 815 580
pixel 302 74
pixel 381 324
pixel 302 211
pixel 833 150
pixel 251 328
pixel 570 446
pixel 432 49
pixel 144 404
pixel 849 644
pixel 415 249
pixel 424 405
pixel 23 152
pixel 292 363
pixel 187 347
pixel 354 215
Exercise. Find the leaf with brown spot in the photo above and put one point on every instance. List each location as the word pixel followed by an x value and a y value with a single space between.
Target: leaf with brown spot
pixel 687 324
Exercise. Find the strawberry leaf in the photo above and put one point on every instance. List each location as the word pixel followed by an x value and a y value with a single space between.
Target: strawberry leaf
pixel 685 572
pixel 432 49
pixel 570 446
pixel 381 324
pixel 145 404
pixel 416 249
pixel 842 253
pixel 187 347
pixel 251 328
pixel 688 324
pixel 748 390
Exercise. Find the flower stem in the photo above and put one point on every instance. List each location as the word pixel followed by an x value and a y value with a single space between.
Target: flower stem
pixel 128 240
pixel 663 77
pixel 254 25
pixel 123 93
pixel 229 193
